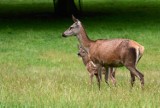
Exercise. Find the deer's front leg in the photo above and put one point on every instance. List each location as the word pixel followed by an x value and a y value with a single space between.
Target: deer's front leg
pixel 107 75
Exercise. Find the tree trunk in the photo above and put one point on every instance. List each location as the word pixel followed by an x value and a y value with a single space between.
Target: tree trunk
pixel 65 7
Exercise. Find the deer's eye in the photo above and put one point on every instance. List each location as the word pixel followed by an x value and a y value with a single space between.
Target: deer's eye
pixel 70 28
pixel 83 51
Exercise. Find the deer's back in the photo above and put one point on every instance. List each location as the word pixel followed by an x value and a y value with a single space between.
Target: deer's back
pixel 112 51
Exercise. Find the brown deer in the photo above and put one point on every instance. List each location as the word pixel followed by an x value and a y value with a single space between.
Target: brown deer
pixel 109 52
pixel 92 68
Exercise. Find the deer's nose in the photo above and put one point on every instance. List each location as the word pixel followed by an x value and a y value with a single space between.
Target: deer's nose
pixel 63 35
pixel 78 54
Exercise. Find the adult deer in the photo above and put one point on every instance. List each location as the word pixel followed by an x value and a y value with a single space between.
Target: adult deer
pixel 109 52
pixel 92 68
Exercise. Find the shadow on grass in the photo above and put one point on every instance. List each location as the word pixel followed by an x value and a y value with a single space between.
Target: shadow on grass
pixel 95 8
pixel 41 15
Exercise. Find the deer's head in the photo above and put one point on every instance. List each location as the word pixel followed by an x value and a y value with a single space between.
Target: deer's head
pixel 74 29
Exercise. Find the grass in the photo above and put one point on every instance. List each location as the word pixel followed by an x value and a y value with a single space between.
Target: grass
pixel 39 68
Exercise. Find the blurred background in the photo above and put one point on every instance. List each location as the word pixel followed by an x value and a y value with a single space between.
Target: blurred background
pixel 78 7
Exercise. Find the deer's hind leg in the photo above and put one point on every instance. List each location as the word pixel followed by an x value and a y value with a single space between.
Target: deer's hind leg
pixel 132 78
pixel 141 78
pixel 130 62
pixel 134 72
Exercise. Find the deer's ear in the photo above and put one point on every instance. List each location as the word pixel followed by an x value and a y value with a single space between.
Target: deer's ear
pixel 74 19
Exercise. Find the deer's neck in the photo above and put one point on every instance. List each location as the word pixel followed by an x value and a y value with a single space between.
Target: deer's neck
pixel 83 38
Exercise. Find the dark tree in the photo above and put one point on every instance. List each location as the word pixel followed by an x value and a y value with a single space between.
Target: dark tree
pixel 65 7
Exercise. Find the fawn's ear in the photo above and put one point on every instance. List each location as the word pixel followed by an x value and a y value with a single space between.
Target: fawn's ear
pixel 85 49
pixel 74 19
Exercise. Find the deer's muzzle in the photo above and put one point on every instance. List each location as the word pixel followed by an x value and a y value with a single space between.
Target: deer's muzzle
pixel 63 35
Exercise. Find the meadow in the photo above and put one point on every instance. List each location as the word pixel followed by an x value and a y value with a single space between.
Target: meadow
pixel 40 68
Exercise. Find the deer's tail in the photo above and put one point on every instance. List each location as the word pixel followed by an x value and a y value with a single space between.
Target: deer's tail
pixel 139 53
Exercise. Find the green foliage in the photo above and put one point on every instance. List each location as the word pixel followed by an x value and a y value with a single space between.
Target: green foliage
pixel 20 7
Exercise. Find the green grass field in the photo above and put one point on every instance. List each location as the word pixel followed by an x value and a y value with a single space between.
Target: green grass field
pixel 40 68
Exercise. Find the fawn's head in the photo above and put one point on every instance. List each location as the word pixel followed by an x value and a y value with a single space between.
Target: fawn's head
pixel 82 52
